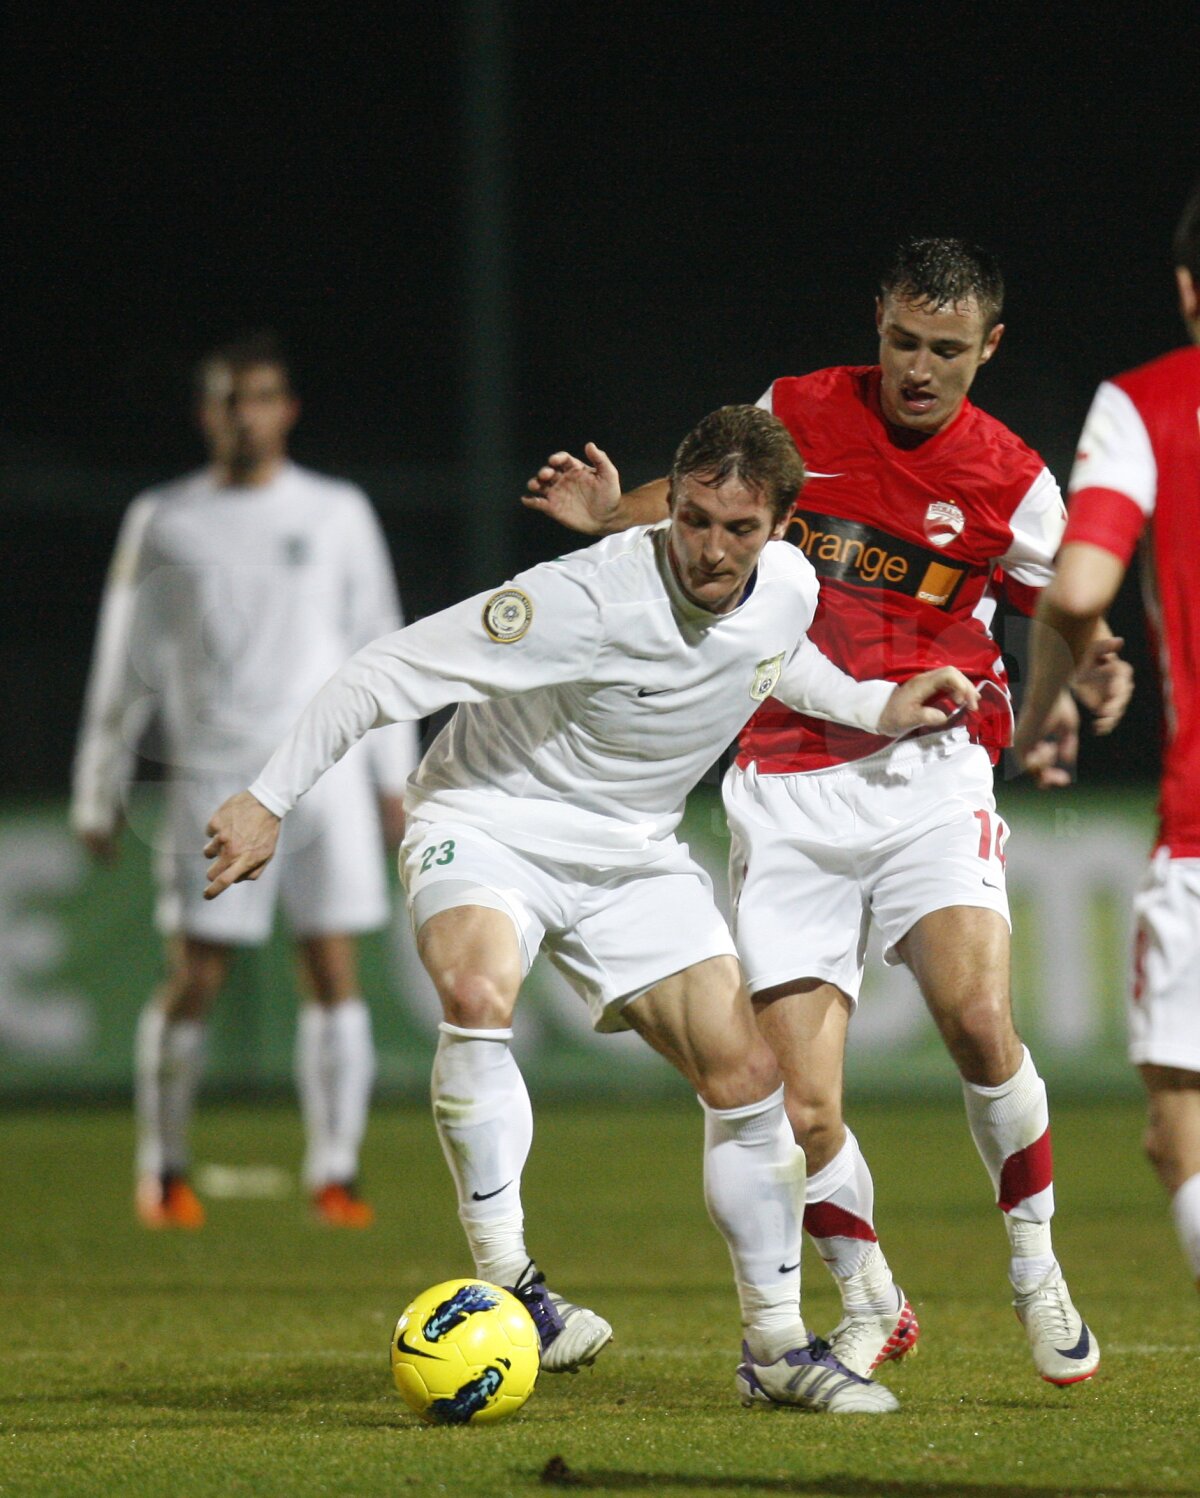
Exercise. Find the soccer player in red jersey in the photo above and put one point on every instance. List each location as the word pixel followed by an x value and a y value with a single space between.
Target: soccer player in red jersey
pixel 919 513
pixel 1137 480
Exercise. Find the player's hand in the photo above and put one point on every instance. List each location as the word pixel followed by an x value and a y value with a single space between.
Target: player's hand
pixel 242 835
pixel 582 496
pixel 1103 682
pixel 391 819
pixel 1049 758
pixel 912 703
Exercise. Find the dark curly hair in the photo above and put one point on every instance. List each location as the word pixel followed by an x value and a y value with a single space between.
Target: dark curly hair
pixel 945 271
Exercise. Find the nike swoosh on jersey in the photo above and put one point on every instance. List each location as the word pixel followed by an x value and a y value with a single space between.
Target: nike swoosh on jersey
pixel 788 1268
pixel 652 691
pixel 483 1196
pixel 811 473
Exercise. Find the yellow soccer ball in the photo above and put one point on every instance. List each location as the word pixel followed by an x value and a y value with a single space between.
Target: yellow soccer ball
pixel 465 1352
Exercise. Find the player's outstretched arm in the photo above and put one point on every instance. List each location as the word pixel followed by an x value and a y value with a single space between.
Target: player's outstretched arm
pixel 914 703
pixel 242 835
pixel 587 496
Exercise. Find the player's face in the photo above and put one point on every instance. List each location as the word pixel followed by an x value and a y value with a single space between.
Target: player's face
pixel 716 535
pixel 246 416
pixel 929 357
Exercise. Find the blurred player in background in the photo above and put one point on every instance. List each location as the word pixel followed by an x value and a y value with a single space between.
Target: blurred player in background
pixel 177 639
pixel 1137 478
pixel 920 513
pixel 595 691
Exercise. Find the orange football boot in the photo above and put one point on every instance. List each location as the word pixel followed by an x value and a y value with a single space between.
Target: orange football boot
pixel 338 1205
pixel 168 1201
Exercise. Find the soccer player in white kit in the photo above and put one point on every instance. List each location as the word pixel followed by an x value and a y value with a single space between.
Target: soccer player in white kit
pixel 594 691
pixel 225 677
pixel 1136 484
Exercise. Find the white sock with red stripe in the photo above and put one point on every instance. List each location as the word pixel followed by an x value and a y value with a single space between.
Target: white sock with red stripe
pixel 754 1190
pixel 838 1217
pixel 1185 1208
pixel 1010 1125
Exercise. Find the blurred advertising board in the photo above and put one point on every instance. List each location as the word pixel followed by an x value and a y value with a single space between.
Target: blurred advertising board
pixel 79 956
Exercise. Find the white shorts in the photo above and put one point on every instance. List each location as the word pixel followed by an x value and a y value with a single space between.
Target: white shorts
pixel 329 873
pixel 895 836
pixel 612 933
pixel 1164 999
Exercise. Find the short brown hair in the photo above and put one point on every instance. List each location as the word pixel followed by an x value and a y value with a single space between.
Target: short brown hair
pixel 945 272
pixel 252 350
pixel 747 443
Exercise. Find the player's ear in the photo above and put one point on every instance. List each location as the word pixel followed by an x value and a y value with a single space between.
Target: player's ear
pixel 1189 294
pixel 779 530
pixel 879 314
pixel 991 343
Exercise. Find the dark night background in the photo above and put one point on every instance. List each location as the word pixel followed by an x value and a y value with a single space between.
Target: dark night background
pixel 585 221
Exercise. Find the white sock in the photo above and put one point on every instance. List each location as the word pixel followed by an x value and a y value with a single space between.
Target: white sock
pixel 1010 1125
pixel 168 1059
pixel 485 1124
pixel 754 1190
pixel 1185 1208
pixel 838 1217
pixel 335 1067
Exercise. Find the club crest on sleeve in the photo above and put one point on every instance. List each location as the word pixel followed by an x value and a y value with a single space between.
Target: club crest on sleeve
pixel 766 674
pixel 507 615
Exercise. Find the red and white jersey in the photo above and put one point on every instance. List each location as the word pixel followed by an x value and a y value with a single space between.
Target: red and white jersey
pixel 912 546
pixel 1137 477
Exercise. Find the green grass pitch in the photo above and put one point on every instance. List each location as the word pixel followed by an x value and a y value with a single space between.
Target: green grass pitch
pixel 252 1358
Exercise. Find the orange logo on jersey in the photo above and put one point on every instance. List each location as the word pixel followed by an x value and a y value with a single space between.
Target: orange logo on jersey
pixel 848 551
pixel 845 552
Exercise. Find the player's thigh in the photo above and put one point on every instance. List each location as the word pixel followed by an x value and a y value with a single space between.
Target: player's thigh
pixel 473 955
pixel 244 914
pixel 938 843
pixel 798 908
pixel 332 861
pixel 628 930
pixel 448 871
pixel 701 1021
pixel 1164 996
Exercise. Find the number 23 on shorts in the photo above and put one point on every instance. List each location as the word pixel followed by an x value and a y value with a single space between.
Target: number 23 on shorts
pixel 437 853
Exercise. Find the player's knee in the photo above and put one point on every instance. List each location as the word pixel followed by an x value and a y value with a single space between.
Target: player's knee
pixel 476 1001
pixel 735 1081
pixel 190 991
pixel 816 1122
pixel 980 1035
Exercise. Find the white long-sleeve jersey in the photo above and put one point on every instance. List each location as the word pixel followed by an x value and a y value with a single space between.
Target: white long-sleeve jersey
pixel 593 695
pixel 224 611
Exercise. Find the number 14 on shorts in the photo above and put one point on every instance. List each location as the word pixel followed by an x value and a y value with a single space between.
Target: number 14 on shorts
pixel 993 834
